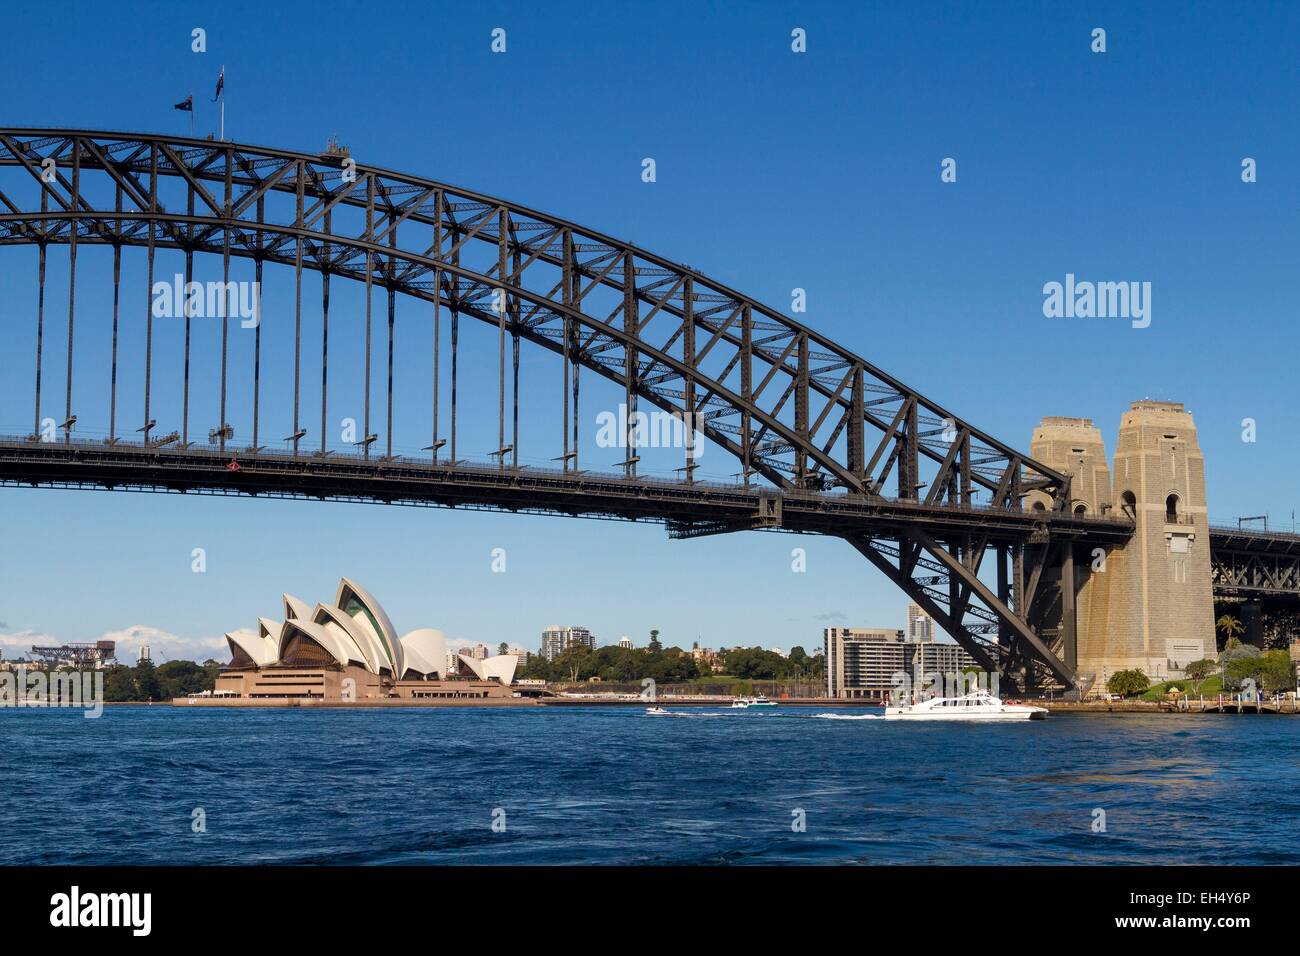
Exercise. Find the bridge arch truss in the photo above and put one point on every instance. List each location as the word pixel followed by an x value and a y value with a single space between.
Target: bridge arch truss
pixel 929 492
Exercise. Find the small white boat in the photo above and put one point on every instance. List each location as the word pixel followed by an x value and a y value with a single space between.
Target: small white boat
pixel 656 712
pixel 980 705
pixel 744 703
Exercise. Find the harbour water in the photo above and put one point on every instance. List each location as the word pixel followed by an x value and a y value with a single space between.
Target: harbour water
pixel 611 785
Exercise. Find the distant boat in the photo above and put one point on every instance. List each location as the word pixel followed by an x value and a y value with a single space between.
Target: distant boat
pixel 980 705
pixel 744 703
pixel 656 711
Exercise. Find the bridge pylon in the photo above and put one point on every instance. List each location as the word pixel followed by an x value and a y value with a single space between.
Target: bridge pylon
pixel 1148 602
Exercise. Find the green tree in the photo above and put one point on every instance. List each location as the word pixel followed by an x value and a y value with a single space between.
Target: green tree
pixel 1236 660
pixel 1270 672
pixel 754 663
pixel 503 648
pixel 1128 683
pixel 1276 673
pixel 1200 670
pixel 179 678
pixel 655 646
pixel 119 685
pixel 1230 626
pixel 147 684
pixel 575 661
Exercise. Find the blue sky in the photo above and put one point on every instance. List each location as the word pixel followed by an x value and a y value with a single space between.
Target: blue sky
pixel 775 170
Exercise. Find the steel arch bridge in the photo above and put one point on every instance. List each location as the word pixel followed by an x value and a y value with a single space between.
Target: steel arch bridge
pixel 827 442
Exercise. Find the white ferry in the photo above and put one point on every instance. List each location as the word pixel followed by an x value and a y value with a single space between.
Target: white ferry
pixel 980 705
pixel 744 703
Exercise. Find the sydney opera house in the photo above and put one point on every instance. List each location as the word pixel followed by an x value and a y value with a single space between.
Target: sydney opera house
pixel 348 650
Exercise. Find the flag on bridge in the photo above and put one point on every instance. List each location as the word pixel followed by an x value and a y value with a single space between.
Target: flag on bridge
pixel 221 95
pixel 187 106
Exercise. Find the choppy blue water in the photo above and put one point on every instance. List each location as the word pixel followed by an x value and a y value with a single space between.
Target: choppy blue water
pixel 611 785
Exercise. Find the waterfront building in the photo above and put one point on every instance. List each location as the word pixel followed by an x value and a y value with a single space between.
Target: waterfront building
pixel 350 650
pixel 707 657
pixel 861 661
pixel 556 638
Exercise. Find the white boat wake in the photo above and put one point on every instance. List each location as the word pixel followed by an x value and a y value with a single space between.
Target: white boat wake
pixel 850 716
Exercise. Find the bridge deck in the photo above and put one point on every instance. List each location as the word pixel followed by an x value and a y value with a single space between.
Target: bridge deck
pixel 407 481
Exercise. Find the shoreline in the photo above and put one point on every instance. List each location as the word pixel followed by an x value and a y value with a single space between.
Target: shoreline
pixel 1193 708
pixel 1187 708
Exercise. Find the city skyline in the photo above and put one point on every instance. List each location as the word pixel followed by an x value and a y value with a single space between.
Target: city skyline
pixel 18 646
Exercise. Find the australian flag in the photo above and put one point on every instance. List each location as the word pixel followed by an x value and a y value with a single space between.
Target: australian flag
pixel 187 105
pixel 221 85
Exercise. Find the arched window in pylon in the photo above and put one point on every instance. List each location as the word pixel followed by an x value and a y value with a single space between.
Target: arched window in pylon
pixel 1171 509
pixel 1129 505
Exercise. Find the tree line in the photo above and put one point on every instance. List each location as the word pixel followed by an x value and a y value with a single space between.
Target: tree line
pixel 145 682
pixel 664 665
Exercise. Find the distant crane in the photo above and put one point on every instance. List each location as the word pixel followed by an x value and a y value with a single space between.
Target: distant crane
pixel 99 654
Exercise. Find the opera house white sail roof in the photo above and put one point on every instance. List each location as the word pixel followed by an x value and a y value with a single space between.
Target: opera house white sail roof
pixel 354 630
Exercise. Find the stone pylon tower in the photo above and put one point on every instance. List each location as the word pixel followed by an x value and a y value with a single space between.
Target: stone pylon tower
pixel 1161 599
pixel 1075 446
pixel 1150 605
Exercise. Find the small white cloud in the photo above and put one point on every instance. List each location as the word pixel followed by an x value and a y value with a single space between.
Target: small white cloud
pixel 19 643
pixel 459 643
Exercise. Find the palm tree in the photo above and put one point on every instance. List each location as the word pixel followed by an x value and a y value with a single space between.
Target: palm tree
pixel 1229 625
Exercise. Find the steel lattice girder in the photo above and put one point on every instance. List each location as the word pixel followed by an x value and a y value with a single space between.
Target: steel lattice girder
pixel 1254 563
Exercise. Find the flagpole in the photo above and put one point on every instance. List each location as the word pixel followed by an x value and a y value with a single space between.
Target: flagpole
pixel 223 102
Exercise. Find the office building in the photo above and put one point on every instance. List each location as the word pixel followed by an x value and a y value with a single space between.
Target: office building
pixel 861 662
pixel 556 638
pixel 920 626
